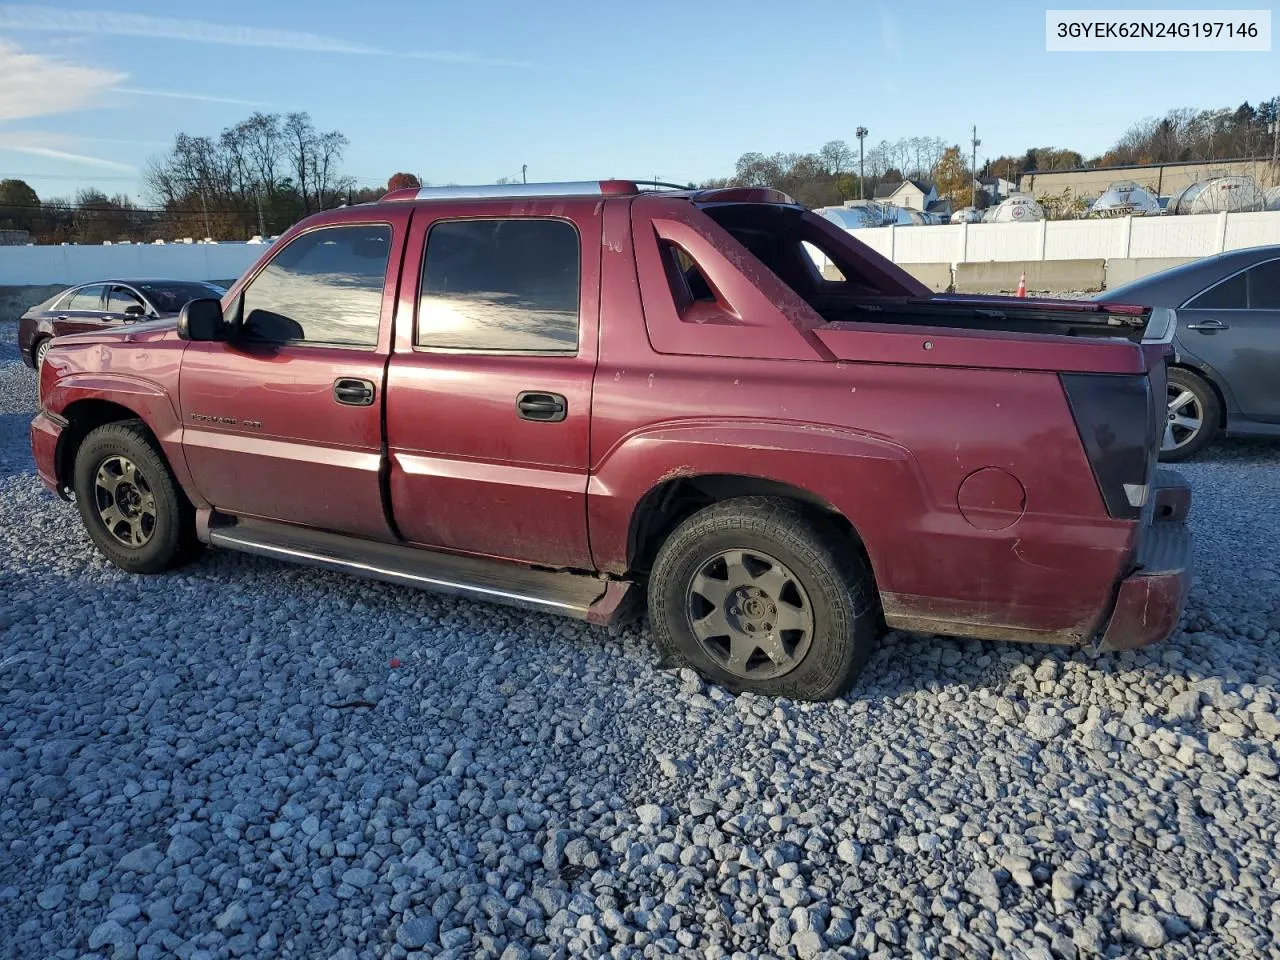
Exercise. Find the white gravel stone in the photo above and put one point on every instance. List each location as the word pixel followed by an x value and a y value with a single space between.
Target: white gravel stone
pixel 1045 726
pixel 52 896
pixel 1142 929
pixel 1191 908
pixel 417 932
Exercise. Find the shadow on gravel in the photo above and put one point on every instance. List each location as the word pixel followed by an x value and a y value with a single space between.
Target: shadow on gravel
pixel 1236 450
pixel 15 448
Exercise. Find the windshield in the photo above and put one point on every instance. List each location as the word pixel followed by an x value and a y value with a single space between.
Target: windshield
pixel 172 297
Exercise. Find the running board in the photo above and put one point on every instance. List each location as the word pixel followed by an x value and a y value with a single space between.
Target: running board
pixel 571 594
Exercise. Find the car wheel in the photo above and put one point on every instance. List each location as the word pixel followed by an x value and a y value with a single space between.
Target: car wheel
pixel 1192 417
pixel 134 510
pixel 42 348
pixel 757 597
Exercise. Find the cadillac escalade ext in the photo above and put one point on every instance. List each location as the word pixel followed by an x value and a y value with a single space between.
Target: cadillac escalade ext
pixel 572 396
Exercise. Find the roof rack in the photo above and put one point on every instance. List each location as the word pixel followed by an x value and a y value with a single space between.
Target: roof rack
pixel 490 191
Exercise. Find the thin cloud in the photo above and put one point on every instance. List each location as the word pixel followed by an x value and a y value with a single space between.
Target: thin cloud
pixel 444 56
pixel 15 16
pixel 102 22
pixel 175 95
pixel 33 85
pixel 52 154
pixel 889 33
pixel 124 141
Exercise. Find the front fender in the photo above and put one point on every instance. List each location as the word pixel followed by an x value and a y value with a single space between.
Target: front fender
pixel 147 400
pixel 849 470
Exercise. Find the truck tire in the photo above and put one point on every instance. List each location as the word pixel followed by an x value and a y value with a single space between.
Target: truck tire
pixel 134 510
pixel 756 596
pixel 1193 416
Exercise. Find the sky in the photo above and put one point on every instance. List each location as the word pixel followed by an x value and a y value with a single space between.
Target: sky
pixel 468 92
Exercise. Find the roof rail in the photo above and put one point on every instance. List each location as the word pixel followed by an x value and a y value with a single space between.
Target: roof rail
pixel 572 188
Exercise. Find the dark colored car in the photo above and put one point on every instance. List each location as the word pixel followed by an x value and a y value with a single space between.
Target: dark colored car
pixel 563 396
pixel 1225 374
pixel 104 303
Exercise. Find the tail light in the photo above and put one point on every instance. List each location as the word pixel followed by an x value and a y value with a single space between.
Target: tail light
pixel 1120 427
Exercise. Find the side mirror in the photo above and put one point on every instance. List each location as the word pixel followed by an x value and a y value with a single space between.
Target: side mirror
pixel 202 320
pixel 135 310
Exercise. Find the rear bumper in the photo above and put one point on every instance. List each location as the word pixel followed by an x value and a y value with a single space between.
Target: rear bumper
pixel 1150 600
pixel 46 429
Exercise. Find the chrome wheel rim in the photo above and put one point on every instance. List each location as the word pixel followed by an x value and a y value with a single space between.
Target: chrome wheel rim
pixel 750 614
pixel 40 353
pixel 1184 419
pixel 125 502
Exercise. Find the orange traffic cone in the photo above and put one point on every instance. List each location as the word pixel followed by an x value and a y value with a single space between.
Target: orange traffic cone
pixel 1022 284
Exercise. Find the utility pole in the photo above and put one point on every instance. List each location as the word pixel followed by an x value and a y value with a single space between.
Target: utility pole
pixel 1274 128
pixel 204 205
pixel 524 173
pixel 861 134
pixel 973 170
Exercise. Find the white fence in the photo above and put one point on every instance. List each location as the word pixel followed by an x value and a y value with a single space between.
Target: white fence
pixel 39 265
pixel 1120 238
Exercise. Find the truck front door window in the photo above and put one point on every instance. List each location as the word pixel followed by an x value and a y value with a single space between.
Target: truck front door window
pixel 324 288
pixel 500 285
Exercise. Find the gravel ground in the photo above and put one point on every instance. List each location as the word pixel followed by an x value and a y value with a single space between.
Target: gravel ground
pixel 251 759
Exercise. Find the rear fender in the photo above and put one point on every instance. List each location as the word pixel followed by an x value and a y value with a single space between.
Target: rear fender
pixel 843 468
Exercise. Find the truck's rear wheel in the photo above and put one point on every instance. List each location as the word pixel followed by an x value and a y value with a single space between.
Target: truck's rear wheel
pixel 129 501
pixel 756 596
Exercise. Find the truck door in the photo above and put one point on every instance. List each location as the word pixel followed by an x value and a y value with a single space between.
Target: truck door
pixel 285 421
pixel 489 386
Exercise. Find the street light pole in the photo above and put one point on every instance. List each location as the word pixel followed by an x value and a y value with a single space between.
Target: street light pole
pixel 861 135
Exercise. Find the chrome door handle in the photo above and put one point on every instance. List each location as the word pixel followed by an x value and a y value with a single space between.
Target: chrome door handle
pixel 1208 325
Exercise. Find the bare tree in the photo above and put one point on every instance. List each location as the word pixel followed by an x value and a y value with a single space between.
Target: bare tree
pixel 327 151
pixel 300 146
pixel 836 157
pixel 265 146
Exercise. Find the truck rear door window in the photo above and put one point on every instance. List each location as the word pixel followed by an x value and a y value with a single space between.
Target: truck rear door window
pixel 503 285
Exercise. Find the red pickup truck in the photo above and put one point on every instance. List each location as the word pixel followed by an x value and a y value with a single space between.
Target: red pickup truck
pixel 564 395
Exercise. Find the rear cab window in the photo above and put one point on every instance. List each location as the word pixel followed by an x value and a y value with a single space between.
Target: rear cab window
pixel 504 285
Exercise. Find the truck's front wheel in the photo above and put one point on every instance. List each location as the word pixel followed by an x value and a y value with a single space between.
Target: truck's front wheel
pixel 129 501
pixel 756 596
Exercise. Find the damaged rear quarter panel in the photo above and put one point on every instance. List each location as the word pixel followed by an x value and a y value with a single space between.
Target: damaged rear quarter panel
pixel 888 446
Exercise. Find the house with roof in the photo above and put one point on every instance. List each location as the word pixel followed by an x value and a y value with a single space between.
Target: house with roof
pixel 912 194
pixel 996 188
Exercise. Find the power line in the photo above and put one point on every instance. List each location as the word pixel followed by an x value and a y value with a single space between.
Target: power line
pixel 372 181
pixel 48 208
